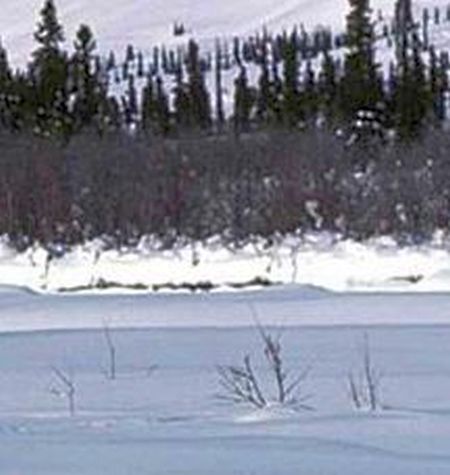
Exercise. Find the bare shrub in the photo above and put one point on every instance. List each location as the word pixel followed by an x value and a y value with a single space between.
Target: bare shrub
pixel 241 384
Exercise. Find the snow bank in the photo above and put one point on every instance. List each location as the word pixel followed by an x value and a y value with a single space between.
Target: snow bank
pixel 319 260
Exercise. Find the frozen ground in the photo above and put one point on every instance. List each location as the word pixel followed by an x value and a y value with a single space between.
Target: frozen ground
pixel 283 306
pixel 161 416
pixel 170 421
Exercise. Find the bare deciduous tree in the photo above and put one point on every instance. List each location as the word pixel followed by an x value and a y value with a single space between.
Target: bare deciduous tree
pixel 241 384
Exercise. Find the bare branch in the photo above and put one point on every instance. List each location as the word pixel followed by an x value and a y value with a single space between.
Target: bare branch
pixel 68 391
pixel 111 352
pixel 241 384
pixel 367 393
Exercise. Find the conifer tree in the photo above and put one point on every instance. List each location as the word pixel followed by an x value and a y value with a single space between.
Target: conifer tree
pixel 87 85
pixel 438 80
pixel 5 89
pixel 125 71
pixel 148 106
pixel 162 108
pixel 140 65
pixel 269 100
pixel 440 103
pixel 199 107
pixel 111 63
pixel 361 86
pixel 130 54
pixel 412 97
pixel 310 94
pixel 291 92
pixel 129 102
pixel 5 69
pixel 237 51
pixel 243 102
pixel 181 99
pixel 264 88
pixel 220 115
pixel 276 96
pixel 155 61
pixel 49 70
pixel 425 27
pixel 328 87
pixel 404 28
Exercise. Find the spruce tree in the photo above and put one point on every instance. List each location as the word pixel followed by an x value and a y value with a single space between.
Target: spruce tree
pixel 140 65
pixel 5 69
pixel 243 102
pixel 264 88
pixel 361 85
pixel 220 114
pixel 148 106
pixel 310 94
pixel 438 84
pixel 269 100
pixel 49 70
pixel 200 107
pixel 291 92
pixel 181 99
pixel 162 108
pixel 328 87
pixel 412 97
pixel 5 89
pixel 87 84
pixel 129 102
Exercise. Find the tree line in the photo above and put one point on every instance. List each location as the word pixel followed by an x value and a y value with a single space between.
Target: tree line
pixel 301 81
pixel 327 138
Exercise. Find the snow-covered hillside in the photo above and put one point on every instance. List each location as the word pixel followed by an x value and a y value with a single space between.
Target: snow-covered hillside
pixel 146 23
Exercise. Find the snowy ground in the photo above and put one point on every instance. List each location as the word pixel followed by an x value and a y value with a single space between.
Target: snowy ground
pixel 21 310
pixel 171 422
pixel 162 415
pixel 320 260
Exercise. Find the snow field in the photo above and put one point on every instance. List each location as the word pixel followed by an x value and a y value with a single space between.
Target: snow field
pixel 137 423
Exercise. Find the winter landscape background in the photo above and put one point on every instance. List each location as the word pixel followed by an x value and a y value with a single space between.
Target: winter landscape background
pixel 225 237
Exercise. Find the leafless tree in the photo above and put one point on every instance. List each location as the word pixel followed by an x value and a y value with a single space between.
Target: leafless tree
pixel 364 387
pixel 66 389
pixel 240 384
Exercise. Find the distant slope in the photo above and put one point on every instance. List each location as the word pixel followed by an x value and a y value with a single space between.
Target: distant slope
pixel 146 23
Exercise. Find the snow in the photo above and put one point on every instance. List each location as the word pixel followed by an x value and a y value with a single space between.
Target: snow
pixel 137 423
pixel 146 23
pixel 321 260
pixel 164 400
pixel 284 306
pixel 161 415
